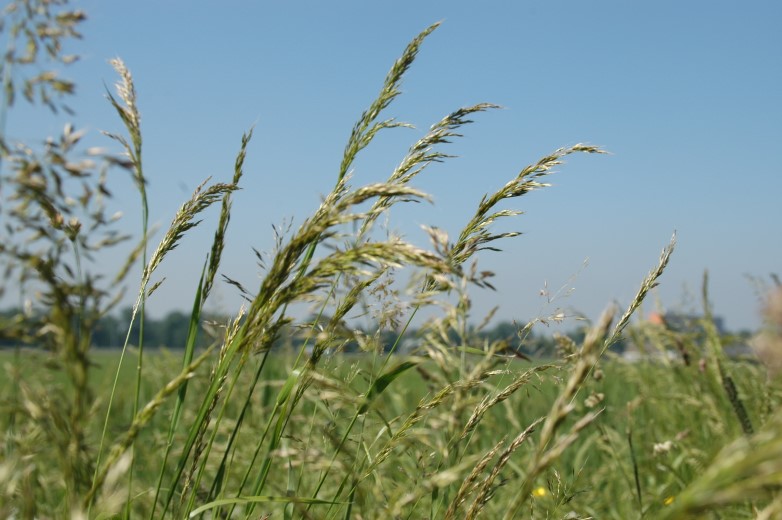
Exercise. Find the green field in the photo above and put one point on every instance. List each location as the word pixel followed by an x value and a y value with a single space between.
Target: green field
pixel 659 426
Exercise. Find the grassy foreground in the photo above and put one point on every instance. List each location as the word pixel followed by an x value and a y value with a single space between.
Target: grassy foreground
pixel 636 438
pixel 456 428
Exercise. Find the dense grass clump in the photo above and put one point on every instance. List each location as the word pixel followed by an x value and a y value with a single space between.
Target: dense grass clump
pixel 455 427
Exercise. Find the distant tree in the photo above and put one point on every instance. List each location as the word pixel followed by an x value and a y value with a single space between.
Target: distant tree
pixel 108 332
pixel 172 330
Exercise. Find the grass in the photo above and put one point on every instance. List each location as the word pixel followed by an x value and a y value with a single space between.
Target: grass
pixel 674 433
pixel 459 427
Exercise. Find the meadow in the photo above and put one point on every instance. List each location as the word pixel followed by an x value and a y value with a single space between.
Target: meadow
pixel 454 427
pixel 635 439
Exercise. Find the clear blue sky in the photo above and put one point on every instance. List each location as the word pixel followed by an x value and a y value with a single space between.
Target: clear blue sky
pixel 685 95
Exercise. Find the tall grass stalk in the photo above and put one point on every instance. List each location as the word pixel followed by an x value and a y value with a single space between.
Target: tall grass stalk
pixel 128 112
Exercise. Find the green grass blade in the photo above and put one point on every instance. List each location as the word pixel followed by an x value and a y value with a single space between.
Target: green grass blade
pixel 187 358
pixel 203 411
pixel 382 382
pixel 281 407
pixel 258 500
pixel 223 468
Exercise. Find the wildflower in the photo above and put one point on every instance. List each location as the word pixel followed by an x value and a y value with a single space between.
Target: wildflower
pixel 668 500
pixel 661 448
pixel 539 492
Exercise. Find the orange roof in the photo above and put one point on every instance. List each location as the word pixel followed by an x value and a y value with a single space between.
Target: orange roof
pixel 656 318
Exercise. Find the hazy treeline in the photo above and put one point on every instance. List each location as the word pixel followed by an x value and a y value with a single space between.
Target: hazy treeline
pixel 170 331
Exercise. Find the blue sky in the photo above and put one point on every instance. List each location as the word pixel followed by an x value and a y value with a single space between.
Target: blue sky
pixel 685 96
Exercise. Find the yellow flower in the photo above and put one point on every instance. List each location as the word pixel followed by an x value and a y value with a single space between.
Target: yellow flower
pixel 669 500
pixel 539 492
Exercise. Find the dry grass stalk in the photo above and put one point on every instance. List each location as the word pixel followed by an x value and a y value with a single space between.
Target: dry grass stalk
pixel 749 467
pixel 549 447
pixel 139 421
pixel 471 483
pixel 485 488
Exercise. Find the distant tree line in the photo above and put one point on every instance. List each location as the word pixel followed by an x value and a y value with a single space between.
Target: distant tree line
pixel 111 330
pixel 171 331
